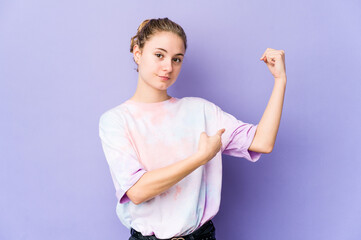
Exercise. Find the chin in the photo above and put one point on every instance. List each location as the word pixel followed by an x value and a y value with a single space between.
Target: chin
pixel 164 87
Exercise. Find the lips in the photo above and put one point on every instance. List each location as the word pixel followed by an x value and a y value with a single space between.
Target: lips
pixel 164 77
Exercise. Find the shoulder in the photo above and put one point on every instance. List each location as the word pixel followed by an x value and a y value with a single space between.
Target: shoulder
pixel 203 106
pixel 199 101
pixel 112 115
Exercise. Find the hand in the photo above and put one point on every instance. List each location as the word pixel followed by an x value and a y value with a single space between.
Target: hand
pixel 209 146
pixel 275 60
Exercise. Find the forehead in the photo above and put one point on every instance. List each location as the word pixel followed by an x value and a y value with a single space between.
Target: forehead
pixel 168 41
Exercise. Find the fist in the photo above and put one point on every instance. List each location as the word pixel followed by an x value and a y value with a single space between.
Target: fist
pixel 275 60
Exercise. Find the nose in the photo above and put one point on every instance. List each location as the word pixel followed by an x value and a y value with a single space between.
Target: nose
pixel 167 66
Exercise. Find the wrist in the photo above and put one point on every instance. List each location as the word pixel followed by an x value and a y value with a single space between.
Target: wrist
pixel 201 157
pixel 281 81
pixel 281 78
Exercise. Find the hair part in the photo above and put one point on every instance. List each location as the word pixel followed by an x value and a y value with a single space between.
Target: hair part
pixel 150 27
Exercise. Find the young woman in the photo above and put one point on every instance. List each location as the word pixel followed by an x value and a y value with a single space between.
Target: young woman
pixel 165 153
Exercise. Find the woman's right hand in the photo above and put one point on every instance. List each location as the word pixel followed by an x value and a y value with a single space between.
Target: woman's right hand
pixel 209 146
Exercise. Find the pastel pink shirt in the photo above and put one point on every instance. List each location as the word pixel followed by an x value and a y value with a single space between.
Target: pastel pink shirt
pixel 139 137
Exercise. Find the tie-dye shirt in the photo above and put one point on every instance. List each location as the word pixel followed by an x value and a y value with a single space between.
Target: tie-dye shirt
pixel 139 137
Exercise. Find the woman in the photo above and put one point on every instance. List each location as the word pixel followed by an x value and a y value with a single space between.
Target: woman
pixel 165 153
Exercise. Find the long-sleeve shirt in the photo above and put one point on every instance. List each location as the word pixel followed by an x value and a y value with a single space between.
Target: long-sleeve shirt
pixel 138 137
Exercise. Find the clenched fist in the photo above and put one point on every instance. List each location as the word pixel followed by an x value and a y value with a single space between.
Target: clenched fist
pixel 275 60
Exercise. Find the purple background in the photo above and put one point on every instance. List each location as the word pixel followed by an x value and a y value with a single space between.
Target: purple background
pixel 64 63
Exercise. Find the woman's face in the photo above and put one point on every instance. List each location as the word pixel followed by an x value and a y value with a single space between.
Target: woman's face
pixel 161 59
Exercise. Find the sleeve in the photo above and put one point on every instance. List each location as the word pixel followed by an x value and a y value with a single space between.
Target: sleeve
pixel 120 154
pixel 238 135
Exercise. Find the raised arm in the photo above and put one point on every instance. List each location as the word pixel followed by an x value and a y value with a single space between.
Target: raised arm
pixel 265 137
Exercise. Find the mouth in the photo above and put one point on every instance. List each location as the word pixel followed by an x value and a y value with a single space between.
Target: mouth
pixel 164 78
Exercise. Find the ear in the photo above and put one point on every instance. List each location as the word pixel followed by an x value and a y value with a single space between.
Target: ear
pixel 137 53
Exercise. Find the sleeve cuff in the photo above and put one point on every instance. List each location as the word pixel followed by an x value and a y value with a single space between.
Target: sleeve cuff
pixel 121 193
pixel 251 155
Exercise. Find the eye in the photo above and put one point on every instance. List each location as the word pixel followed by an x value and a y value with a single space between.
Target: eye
pixel 179 60
pixel 158 54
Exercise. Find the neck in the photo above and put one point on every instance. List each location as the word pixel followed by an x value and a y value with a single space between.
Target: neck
pixel 148 94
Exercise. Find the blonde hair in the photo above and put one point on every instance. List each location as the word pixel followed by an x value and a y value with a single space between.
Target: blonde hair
pixel 151 26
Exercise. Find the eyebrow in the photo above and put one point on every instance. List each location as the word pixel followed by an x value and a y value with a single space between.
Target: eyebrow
pixel 166 51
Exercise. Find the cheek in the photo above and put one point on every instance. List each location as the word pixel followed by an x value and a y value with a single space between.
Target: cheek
pixel 178 68
pixel 151 65
pixel 149 73
pixel 146 68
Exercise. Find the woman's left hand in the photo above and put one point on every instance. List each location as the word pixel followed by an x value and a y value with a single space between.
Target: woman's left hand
pixel 275 60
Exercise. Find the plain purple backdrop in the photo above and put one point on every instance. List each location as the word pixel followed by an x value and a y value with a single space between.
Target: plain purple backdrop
pixel 64 63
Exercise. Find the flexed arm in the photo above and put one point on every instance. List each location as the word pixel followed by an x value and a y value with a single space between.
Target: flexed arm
pixel 267 129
